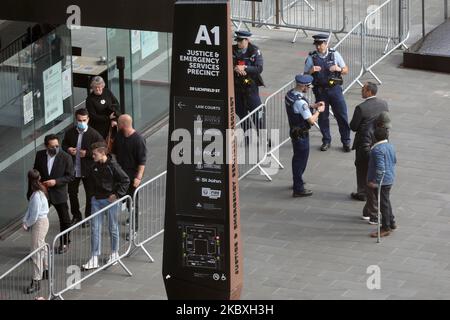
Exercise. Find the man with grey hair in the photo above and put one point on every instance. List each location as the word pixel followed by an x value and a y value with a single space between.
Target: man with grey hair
pixel 103 107
pixel 363 123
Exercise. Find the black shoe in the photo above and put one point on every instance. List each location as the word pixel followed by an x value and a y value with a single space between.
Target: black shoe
pixel 358 196
pixel 324 147
pixel 85 225
pixel 45 275
pixel 62 249
pixel 304 193
pixel 75 221
pixel 34 287
pixel 393 226
pixel 346 148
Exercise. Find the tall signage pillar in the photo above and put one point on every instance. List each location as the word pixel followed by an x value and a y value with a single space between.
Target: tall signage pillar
pixel 202 256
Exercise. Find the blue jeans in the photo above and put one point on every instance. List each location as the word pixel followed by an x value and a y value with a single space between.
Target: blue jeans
pixel 97 222
pixel 299 162
pixel 335 98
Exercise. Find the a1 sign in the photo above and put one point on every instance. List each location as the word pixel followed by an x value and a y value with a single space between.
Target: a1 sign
pixel 204 35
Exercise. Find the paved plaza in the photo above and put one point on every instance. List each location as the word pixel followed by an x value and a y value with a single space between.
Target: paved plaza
pixel 318 247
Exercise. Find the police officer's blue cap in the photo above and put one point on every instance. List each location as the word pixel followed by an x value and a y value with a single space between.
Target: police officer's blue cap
pixel 242 35
pixel 321 37
pixel 304 79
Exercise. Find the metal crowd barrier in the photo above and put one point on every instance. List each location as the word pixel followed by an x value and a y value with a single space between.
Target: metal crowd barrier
pixel 252 140
pixel 149 201
pixel 385 29
pixel 15 281
pixel 259 13
pixel 351 49
pixel 314 15
pixel 67 268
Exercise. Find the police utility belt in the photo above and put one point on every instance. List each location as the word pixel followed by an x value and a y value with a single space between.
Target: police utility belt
pixel 299 133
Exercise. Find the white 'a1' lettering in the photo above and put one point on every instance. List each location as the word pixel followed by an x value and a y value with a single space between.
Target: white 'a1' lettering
pixel 203 35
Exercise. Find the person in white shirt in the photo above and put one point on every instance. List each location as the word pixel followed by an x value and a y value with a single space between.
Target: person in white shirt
pixel 36 220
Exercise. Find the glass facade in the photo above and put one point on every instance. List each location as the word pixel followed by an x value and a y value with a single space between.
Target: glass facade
pixel 36 98
pixel 147 72
pixel 34 101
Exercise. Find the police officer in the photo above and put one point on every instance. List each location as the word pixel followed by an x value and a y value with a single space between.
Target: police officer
pixel 327 67
pixel 248 66
pixel 300 121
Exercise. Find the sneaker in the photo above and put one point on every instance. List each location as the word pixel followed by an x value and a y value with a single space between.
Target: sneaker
pixel 113 258
pixel 363 217
pixel 324 147
pixel 346 148
pixel 304 193
pixel 91 264
pixel 373 221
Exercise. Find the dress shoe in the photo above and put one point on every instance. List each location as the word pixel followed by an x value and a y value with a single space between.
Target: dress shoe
pixel 304 193
pixel 324 147
pixel 34 287
pixel 358 196
pixel 346 148
pixel 383 233
pixel 45 275
pixel 62 249
pixel 75 221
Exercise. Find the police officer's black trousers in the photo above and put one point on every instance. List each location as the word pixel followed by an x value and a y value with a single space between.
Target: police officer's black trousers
pixel 299 162
pixel 246 102
pixel 334 97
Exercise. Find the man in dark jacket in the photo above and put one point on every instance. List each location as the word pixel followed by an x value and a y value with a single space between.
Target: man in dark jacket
pixel 248 66
pixel 77 142
pixel 56 169
pixel 109 183
pixel 363 123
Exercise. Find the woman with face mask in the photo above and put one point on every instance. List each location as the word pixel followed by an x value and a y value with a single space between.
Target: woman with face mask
pixel 77 142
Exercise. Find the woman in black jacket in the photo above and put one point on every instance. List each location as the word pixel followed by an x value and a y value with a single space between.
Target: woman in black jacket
pixel 103 107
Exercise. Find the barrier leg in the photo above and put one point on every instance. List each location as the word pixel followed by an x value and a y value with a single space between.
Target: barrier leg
pixel 375 76
pixel 125 268
pixel 295 36
pixel 265 173
pixel 147 253
pixel 276 160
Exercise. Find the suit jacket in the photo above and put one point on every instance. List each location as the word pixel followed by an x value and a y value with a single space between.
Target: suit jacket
pixel 363 121
pixel 89 137
pixel 62 172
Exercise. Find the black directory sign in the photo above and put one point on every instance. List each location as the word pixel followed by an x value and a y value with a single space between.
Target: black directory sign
pixel 202 256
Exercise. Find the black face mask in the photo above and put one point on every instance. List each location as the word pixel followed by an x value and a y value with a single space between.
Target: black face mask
pixel 53 151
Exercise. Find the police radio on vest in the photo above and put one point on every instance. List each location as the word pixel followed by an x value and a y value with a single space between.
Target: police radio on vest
pixel 203 35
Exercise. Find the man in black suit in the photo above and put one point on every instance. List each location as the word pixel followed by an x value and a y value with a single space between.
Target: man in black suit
pixel 363 123
pixel 56 169
pixel 77 142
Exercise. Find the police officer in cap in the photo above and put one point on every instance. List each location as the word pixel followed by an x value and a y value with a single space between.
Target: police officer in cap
pixel 327 67
pixel 248 66
pixel 301 118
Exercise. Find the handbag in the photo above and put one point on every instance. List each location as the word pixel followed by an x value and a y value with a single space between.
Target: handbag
pixel 110 138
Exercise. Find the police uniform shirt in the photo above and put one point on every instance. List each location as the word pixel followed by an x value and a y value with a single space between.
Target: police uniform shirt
pixel 337 58
pixel 301 107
